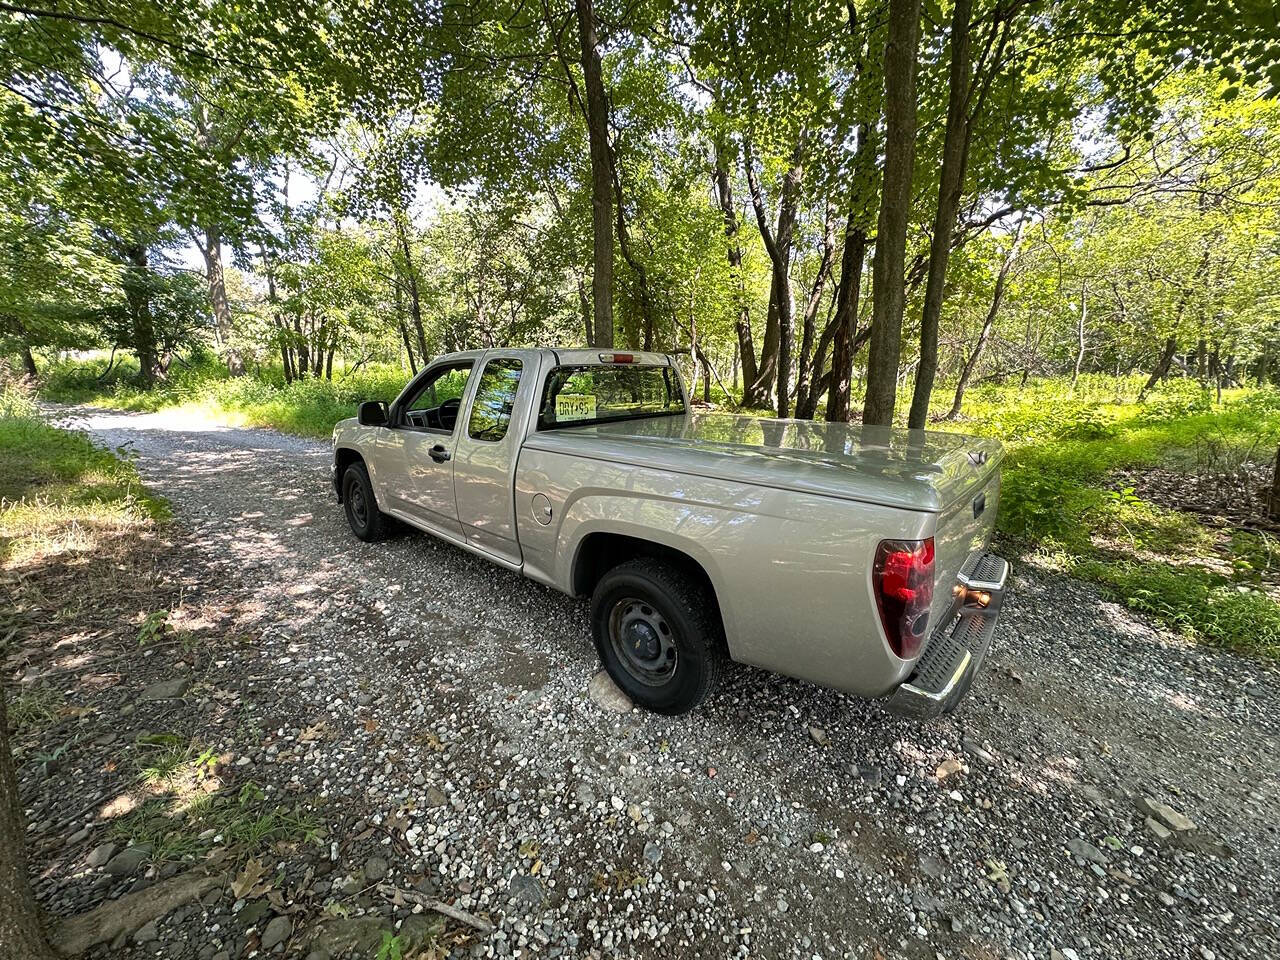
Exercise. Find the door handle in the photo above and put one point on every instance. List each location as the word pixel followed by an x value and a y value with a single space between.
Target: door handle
pixel 438 453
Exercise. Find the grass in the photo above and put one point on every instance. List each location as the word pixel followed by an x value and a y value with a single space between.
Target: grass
pixel 308 408
pixel 1060 500
pixel 57 488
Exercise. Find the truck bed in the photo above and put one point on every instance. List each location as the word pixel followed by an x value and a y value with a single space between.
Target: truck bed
pixel 914 470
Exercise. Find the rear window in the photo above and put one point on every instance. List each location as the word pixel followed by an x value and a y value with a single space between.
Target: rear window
pixel 577 396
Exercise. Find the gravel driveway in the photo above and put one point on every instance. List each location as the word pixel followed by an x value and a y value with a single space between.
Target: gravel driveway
pixel 779 820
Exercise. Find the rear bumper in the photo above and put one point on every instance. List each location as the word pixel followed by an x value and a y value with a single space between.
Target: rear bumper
pixel 955 653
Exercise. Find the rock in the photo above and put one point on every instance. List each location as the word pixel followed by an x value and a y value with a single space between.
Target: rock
pixel 525 889
pixel 948 767
pixel 278 931
pixel 604 693
pixel 166 689
pixel 80 836
pixel 100 854
pixel 435 797
pixel 819 736
pixel 1086 851
pixel 931 866
pixel 652 852
pixel 1159 829
pixel 127 861
pixel 254 912
pixel 146 933
pixel 584 794
pixel 1165 814
pixel 375 868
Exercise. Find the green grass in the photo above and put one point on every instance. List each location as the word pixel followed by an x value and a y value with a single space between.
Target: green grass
pixel 1059 497
pixel 57 486
pixel 309 407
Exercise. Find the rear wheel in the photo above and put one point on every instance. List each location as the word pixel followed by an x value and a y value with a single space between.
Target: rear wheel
pixel 367 521
pixel 658 634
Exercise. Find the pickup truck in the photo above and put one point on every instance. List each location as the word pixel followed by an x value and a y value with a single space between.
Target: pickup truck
pixel 853 557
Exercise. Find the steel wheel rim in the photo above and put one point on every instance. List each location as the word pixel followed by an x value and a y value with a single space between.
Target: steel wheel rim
pixel 643 642
pixel 359 509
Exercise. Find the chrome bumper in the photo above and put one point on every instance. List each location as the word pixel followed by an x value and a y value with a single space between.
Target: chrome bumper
pixel 956 651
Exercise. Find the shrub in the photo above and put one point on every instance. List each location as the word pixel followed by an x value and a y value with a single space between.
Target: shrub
pixel 1175 399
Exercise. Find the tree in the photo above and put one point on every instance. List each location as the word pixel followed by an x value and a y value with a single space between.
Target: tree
pixel 597 111
pixel 900 54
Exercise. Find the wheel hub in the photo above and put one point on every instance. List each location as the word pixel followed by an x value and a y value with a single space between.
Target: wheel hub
pixel 643 641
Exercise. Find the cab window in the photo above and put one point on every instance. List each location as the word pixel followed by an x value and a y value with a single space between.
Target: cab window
pixel 495 397
pixel 434 406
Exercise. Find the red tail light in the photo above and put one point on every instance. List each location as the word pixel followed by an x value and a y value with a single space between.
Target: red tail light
pixel 903 582
pixel 617 358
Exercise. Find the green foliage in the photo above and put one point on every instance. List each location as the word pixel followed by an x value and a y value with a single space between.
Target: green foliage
pixel 392 947
pixel 1203 605
pixel 44 469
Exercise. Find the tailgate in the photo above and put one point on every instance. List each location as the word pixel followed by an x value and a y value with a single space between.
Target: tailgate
pixel 964 527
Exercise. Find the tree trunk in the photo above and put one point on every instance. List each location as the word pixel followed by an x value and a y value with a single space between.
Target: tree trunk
pixel 411 280
pixel 634 262
pixel 286 355
pixel 843 348
pixel 21 934
pixel 988 325
pixel 1162 367
pixel 742 318
pixel 1080 329
pixel 601 193
pixel 805 375
pixel 584 305
pixel 137 292
pixel 900 58
pixel 775 356
pixel 218 297
pixel 1273 505
pixel 955 149
pixel 29 362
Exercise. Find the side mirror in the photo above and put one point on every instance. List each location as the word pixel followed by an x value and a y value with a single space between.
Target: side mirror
pixel 372 413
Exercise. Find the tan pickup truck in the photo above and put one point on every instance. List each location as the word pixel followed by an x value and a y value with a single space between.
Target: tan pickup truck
pixel 853 557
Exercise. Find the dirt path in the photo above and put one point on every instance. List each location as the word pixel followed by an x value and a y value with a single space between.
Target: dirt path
pixel 462 752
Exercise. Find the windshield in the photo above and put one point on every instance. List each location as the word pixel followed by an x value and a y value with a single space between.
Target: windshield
pixel 578 396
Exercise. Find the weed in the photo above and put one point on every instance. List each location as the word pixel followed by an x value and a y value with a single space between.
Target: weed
pixel 35 708
pixel 153 627
pixel 392 947
pixel 177 828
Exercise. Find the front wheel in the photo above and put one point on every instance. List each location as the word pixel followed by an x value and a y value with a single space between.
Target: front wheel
pixel 658 635
pixel 366 520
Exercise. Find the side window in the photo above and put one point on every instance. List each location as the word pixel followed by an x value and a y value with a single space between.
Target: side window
pixel 495 396
pixel 435 405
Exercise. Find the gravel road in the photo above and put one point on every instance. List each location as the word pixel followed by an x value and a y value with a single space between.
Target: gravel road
pixel 781 820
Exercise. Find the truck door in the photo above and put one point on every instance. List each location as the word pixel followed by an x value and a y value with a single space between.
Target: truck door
pixel 415 453
pixel 487 445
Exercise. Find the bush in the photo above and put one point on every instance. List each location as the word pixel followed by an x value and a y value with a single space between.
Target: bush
pixel 1175 399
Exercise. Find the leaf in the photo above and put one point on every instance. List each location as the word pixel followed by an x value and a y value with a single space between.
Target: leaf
pixel 316 732
pixel 249 877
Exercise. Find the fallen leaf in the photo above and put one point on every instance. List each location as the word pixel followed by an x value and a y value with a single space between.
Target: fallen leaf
pixel 312 733
pixel 370 724
pixel 249 877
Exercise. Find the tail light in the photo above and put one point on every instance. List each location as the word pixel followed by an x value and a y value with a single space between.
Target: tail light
pixel 903 582
pixel 617 358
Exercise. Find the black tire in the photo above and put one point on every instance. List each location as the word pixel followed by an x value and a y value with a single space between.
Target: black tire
pixel 367 522
pixel 668 622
